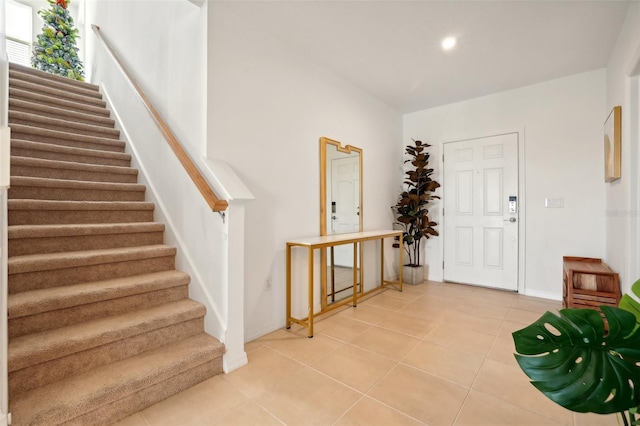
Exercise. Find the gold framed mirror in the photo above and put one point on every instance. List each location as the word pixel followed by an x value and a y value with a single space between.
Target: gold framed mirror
pixel 340 188
pixel 340 212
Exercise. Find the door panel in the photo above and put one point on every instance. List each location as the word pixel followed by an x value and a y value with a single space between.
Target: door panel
pixel 345 193
pixel 493 194
pixel 464 190
pixel 480 233
pixel 464 245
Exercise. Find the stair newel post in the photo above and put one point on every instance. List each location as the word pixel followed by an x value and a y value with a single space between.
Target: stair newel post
pixel 235 356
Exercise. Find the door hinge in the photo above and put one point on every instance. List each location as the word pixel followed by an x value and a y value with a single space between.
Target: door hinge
pixel 443 264
pixel 443 158
pixel 443 211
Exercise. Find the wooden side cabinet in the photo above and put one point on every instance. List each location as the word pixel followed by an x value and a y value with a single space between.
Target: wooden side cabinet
pixel 589 283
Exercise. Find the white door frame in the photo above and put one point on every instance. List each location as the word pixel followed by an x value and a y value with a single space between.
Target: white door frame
pixel 631 133
pixel 633 266
pixel 522 288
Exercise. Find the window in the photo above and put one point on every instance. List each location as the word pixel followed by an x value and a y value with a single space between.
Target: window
pixel 19 32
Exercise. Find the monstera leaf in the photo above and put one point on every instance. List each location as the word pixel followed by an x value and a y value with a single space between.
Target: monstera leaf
pixel 573 361
pixel 628 303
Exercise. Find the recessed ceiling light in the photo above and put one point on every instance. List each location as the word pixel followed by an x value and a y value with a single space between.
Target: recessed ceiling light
pixel 448 43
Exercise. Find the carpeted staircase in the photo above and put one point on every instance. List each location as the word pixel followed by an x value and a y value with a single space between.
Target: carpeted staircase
pixel 100 323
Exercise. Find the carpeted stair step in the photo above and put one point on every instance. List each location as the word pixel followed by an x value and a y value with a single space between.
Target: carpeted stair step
pixel 45 110
pixel 115 391
pixel 43 78
pixel 51 355
pixel 38 167
pixel 61 125
pixel 53 137
pixel 37 239
pixel 22 148
pixel 74 190
pixel 60 93
pixel 21 94
pixel 100 323
pixel 41 310
pixel 38 271
pixel 34 212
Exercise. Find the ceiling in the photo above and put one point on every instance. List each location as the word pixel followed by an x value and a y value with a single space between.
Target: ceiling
pixel 391 49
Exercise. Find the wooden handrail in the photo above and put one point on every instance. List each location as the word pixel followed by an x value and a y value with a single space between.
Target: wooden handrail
pixel 216 204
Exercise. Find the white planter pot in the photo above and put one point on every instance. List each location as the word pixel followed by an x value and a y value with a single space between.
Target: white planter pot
pixel 414 274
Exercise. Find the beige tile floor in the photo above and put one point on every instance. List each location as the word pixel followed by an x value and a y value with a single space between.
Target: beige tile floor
pixel 434 354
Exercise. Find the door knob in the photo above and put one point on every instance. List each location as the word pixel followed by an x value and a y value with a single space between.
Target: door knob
pixel 334 217
pixel 511 219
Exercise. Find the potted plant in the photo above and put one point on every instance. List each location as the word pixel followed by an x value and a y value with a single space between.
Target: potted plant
pixel 576 362
pixel 411 209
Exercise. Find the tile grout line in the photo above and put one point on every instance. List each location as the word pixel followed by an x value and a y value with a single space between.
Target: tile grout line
pixel 475 379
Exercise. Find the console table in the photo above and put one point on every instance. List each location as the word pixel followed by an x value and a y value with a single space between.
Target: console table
pixel 313 243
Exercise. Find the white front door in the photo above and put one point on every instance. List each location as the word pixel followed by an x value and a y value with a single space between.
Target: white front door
pixel 345 204
pixel 481 206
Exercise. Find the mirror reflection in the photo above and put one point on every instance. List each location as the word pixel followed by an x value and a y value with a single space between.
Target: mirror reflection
pixel 340 275
pixel 343 192
pixel 340 188
pixel 341 212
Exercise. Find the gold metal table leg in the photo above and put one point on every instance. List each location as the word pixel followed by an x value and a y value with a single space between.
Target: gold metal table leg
pixel 382 262
pixel 355 274
pixel 333 276
pixel 310 282
pixel 400 262
pixel 288 286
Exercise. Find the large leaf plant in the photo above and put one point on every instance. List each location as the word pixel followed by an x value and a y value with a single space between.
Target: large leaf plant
pixel 579 364
pixel 411 208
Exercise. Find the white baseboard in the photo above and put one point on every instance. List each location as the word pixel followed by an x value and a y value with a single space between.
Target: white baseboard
pixel 543 294
pixel 250 335
pixel 239 360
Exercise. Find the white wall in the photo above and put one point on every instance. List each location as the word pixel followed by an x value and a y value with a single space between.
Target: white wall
pixel 168 65
pixel 622 203
pixel 562 121
pixel 4 76
pixel 164 46
pixel 267 110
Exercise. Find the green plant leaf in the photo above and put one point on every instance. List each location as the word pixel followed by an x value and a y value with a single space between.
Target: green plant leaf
pixel 574 363
pixel 629 304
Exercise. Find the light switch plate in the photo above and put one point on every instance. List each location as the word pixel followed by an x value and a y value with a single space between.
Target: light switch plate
pixel 554 203
pixel 5 155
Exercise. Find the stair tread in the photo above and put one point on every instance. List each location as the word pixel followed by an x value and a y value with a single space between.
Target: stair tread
pixel 103 385
pixel 70 165
pixel 49 299
pixel 54 77
pixel 62 149
pixel 56 91
pixel 18 204
pixel 75 184
pixel 52 261
pixel 44 99
pixel 60 112
pixel 50 231
pixel 54 84
pixel 42 120
pixel 39 131
pixel 66 145
pixel 40 347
